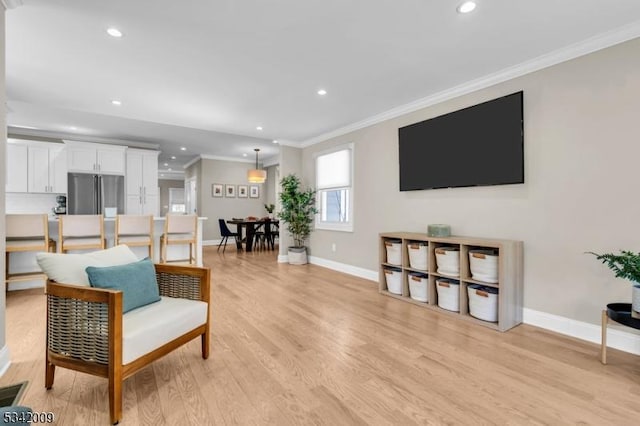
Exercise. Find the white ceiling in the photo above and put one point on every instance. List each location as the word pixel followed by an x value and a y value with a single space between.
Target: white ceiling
pixel 204 74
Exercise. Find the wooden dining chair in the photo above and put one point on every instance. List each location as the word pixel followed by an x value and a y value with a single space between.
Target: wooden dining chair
pixel 180 230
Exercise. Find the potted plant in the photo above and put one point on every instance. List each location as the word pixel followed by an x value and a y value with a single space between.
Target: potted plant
pixel 297 211
pixel 270 208
pixel 625 265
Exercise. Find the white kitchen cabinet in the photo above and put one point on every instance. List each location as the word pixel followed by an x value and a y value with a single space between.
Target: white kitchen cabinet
pixel 36 167
pixel 85 157
pixel 47 168
pixel 16 178
pixel 142 182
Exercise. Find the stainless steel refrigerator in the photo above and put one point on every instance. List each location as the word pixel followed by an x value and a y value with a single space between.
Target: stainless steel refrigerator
pixel 89 193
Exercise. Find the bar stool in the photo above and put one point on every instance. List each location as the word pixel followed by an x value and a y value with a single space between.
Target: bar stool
pixel 182 230
pixel 135 231
pixel 26 232
pixel 80 232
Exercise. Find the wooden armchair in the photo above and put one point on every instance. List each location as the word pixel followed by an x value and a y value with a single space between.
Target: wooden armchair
pixel 85 328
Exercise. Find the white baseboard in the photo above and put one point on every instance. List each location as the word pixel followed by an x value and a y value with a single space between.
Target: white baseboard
pixel 210 242
pixel 5 360
pixel 343 267
pixel 283 258
pixel 616 338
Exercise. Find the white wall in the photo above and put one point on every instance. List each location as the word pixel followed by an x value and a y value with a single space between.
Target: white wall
pixel 4 352
pixel 580 191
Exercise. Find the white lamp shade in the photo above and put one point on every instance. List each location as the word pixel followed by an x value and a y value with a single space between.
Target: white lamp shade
pixel 257 176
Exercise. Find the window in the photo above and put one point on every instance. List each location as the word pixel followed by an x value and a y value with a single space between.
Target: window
pixel 176 200
pixel 335 189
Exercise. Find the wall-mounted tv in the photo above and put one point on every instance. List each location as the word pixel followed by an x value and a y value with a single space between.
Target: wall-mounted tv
pixel 476 146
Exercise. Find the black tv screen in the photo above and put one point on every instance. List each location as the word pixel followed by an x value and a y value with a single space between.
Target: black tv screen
pixel 479 145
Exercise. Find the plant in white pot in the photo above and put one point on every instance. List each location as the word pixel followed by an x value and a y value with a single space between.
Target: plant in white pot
pixel 270 208
pixel 625 265
pixel 298 207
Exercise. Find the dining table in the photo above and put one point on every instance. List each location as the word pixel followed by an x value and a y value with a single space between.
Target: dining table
pixel 248 227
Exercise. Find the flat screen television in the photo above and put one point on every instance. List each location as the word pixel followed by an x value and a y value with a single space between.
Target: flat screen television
pixel 476 146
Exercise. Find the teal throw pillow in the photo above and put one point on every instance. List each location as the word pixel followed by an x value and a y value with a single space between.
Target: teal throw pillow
pixel 136 280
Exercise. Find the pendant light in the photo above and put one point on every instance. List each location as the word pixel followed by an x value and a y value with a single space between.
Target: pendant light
pixel 257 175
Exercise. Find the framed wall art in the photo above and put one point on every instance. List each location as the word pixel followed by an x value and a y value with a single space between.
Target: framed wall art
pixel 243 191
pixel 217 190
pixel 230 191
pixel 254 191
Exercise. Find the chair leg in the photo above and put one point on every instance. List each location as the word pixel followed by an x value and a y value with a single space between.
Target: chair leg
pixel 221 241
pixel 206 341
pixel 225 245
pixel 115 395
pixel 49 375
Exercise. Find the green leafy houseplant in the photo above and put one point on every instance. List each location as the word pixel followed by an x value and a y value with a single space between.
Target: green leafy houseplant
pixel 624 265
pixel 297 208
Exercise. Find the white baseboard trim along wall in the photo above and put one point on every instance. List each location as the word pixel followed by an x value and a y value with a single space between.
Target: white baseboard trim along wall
pixel 616 337
pixel 5 360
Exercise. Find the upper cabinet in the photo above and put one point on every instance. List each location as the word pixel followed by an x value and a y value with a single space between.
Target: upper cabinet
pixel 16 178
pixel 37 167
pixel 142 182
pixel 85 157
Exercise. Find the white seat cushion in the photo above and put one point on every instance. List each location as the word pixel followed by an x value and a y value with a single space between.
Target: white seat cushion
pixel 149 327
pixel 179 237
pixel 17 244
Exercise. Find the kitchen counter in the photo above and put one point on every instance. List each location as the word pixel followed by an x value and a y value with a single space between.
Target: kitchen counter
pixel 24 262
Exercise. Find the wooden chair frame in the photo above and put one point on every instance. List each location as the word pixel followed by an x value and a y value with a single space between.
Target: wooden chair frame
pixel 61 238
pixel 47 245
pixel 98 349
pixel 136 244
pixel 192 242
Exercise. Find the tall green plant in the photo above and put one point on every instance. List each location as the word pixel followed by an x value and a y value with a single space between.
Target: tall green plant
pixel 297 208
pixel 624 265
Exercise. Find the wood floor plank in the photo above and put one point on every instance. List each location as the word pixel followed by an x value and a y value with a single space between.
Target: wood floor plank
pixel 303 345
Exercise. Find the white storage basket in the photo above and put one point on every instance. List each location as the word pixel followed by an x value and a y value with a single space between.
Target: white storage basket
pixel 484 265
pixel 448 294
pixel 418 255
pixel 448 261
pixel 418 286
pixel 393 277
pixel 483 302
pixel 394 251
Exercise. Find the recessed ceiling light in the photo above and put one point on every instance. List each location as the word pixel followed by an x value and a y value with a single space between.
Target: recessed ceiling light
pixel 169 169
pixel 466 7
pixel 116 102
pixel 114 32
pixel 173 157
pixel 322 92
pixel 166 164
pixel 162 174
pixel 244 155
pixel 183 148
pixel 275 141
pixel 259 128
pixel 73 128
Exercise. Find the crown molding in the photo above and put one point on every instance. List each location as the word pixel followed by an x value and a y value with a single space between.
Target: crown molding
pixel 271 161
pixel 192 162
pixel 285 142
pixel 23 133
pixel 222 158
pixel 590 45
pixel 11 4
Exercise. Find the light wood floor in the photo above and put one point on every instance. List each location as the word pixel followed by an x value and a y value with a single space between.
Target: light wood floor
pixel 306 345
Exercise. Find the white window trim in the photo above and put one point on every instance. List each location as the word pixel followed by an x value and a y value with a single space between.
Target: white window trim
pixel 332 226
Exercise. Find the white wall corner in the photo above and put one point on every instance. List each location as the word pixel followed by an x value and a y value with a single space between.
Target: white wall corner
pixel 343 267
pixel 616 338
pixel 5 360
pixel 283 258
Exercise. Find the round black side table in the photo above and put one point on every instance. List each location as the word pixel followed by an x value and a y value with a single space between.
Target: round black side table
pixel 620 313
